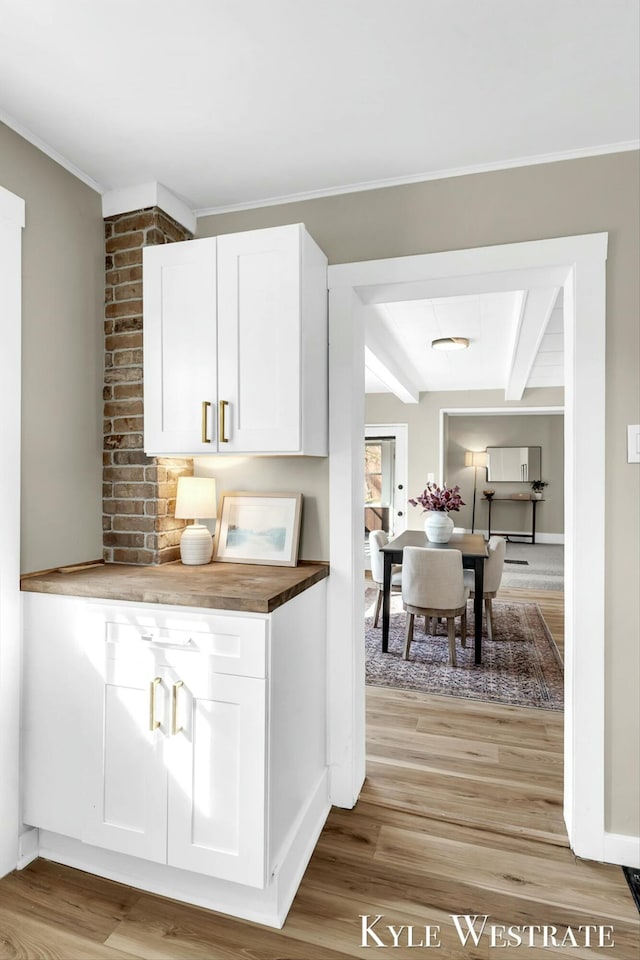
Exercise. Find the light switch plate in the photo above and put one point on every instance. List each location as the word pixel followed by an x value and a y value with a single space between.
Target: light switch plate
pixel 633 443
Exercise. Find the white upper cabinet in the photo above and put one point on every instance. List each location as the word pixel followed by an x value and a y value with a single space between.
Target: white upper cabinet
pixel 180 348
pixel 235 345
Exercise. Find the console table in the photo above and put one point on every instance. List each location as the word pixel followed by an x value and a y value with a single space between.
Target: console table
pixel 528 536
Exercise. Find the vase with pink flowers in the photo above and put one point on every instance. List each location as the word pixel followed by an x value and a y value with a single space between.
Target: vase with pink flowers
pixel 438 502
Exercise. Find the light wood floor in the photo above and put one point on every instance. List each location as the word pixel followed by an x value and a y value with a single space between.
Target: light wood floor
pixel 460 814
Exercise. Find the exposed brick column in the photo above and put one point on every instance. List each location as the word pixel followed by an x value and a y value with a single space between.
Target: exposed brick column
pixel 138 491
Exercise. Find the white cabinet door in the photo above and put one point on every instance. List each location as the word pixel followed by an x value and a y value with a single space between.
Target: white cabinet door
pixel 216 763
pixel 126 777
pixel 57 705
pixel 259 335
pixel 180 389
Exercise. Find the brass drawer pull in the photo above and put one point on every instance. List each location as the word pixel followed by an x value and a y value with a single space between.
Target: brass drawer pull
pixel 205 410
pixel 153 723
pixel 223 428
pixel 174 708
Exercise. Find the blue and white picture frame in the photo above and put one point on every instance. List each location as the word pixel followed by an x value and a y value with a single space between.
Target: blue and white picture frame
pixel 258 528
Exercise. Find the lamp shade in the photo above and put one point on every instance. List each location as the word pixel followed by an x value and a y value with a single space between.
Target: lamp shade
pixel 475 458
pixel 196 499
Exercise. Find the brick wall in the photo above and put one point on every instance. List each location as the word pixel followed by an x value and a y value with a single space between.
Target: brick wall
pixel 138 491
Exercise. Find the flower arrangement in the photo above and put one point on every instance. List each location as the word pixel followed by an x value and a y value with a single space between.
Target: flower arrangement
pixel 441 499
pixel 538 485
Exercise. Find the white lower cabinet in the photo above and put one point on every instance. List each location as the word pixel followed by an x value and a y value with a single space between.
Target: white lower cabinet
pixel 126 780
pixel 140 739
pixel 180 774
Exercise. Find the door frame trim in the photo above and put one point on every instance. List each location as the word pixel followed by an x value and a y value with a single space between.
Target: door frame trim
pixel 12 218
pixel 582 260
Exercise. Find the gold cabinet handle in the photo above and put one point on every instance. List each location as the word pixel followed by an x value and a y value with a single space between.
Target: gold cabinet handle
pixel 153 723
pixel 174 708
pixel 223 429
pixel 205 410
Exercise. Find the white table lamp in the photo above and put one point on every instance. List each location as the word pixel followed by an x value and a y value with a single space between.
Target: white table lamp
pixel 196 500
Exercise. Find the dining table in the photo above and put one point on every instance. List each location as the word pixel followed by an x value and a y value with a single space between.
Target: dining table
pixel 473 548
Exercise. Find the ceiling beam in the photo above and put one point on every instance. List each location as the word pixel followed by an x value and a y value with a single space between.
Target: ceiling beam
pixel 385 359
pixel 535 309
pixel 463 286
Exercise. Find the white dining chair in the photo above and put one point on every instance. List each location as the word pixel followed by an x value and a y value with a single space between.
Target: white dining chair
pixel 433 586
pixel 377 540
pixel 493 567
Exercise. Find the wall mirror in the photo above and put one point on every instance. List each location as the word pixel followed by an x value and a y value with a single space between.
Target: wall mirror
pixel 514 464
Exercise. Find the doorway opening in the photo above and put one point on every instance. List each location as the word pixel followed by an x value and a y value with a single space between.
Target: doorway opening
pixel 385 481
pixel 578 264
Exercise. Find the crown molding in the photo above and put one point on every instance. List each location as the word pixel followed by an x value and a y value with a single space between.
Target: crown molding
pixel 187 216
pixel 26 134
pixel 621 147
pixel 128 199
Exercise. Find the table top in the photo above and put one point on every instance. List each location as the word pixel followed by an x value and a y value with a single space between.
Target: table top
pixel 220 586
pixel 469 544
pixel 514 499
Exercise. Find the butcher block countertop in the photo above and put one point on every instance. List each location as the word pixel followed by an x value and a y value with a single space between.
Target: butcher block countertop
pixel 219 586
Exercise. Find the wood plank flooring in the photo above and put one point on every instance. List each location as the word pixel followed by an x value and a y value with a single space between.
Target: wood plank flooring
pixel 461 813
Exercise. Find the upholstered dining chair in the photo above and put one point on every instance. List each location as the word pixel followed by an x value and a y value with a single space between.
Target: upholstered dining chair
pixel 433 586
pixel 493 567
pixel 377 540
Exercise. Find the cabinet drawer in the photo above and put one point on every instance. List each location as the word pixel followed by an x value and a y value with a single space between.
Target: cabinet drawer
pixel 230 645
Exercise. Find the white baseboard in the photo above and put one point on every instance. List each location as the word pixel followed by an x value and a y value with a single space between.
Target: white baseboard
pixel 621 849
pixel 28 847
pixel 268 906
pixel 300 846
pixel 550 538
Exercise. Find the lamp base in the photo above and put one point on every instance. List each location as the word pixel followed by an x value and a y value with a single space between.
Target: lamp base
pixel 196 544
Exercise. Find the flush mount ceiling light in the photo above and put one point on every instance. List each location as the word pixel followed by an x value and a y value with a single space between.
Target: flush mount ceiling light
pixel 450 343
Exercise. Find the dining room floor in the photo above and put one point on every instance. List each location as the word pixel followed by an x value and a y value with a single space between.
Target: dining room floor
pixel 534 566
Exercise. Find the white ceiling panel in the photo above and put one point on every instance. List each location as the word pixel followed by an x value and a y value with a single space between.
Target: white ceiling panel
pixel 552 342
pixel 232 104
pixel 506 330
pixel 548 366
pixel 488 321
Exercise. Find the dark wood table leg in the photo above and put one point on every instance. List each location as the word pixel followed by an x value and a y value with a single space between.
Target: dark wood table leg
pixel 386 601
pixel 534 504
pixel 477 607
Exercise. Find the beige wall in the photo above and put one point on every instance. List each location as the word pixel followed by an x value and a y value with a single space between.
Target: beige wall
pixel 423 421
pixel 529 203
pixel 475 433
pixel 306 475
pixel 480 432
pixel 62 342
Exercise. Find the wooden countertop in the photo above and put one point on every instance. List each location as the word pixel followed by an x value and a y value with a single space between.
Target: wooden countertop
pixel 220 586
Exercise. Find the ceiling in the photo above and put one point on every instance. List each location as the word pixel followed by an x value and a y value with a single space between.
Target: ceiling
pixel 516 340
pixel 233 103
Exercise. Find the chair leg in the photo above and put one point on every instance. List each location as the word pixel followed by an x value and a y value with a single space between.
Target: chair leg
pixel 408 636
pixel 463 629
pixel 376 615
pixel 451 632
pixel 489 612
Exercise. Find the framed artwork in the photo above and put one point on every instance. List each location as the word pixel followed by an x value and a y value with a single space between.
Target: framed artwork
pixel 258 528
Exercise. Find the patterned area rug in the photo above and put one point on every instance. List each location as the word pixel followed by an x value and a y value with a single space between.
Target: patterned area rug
pixel 521 665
